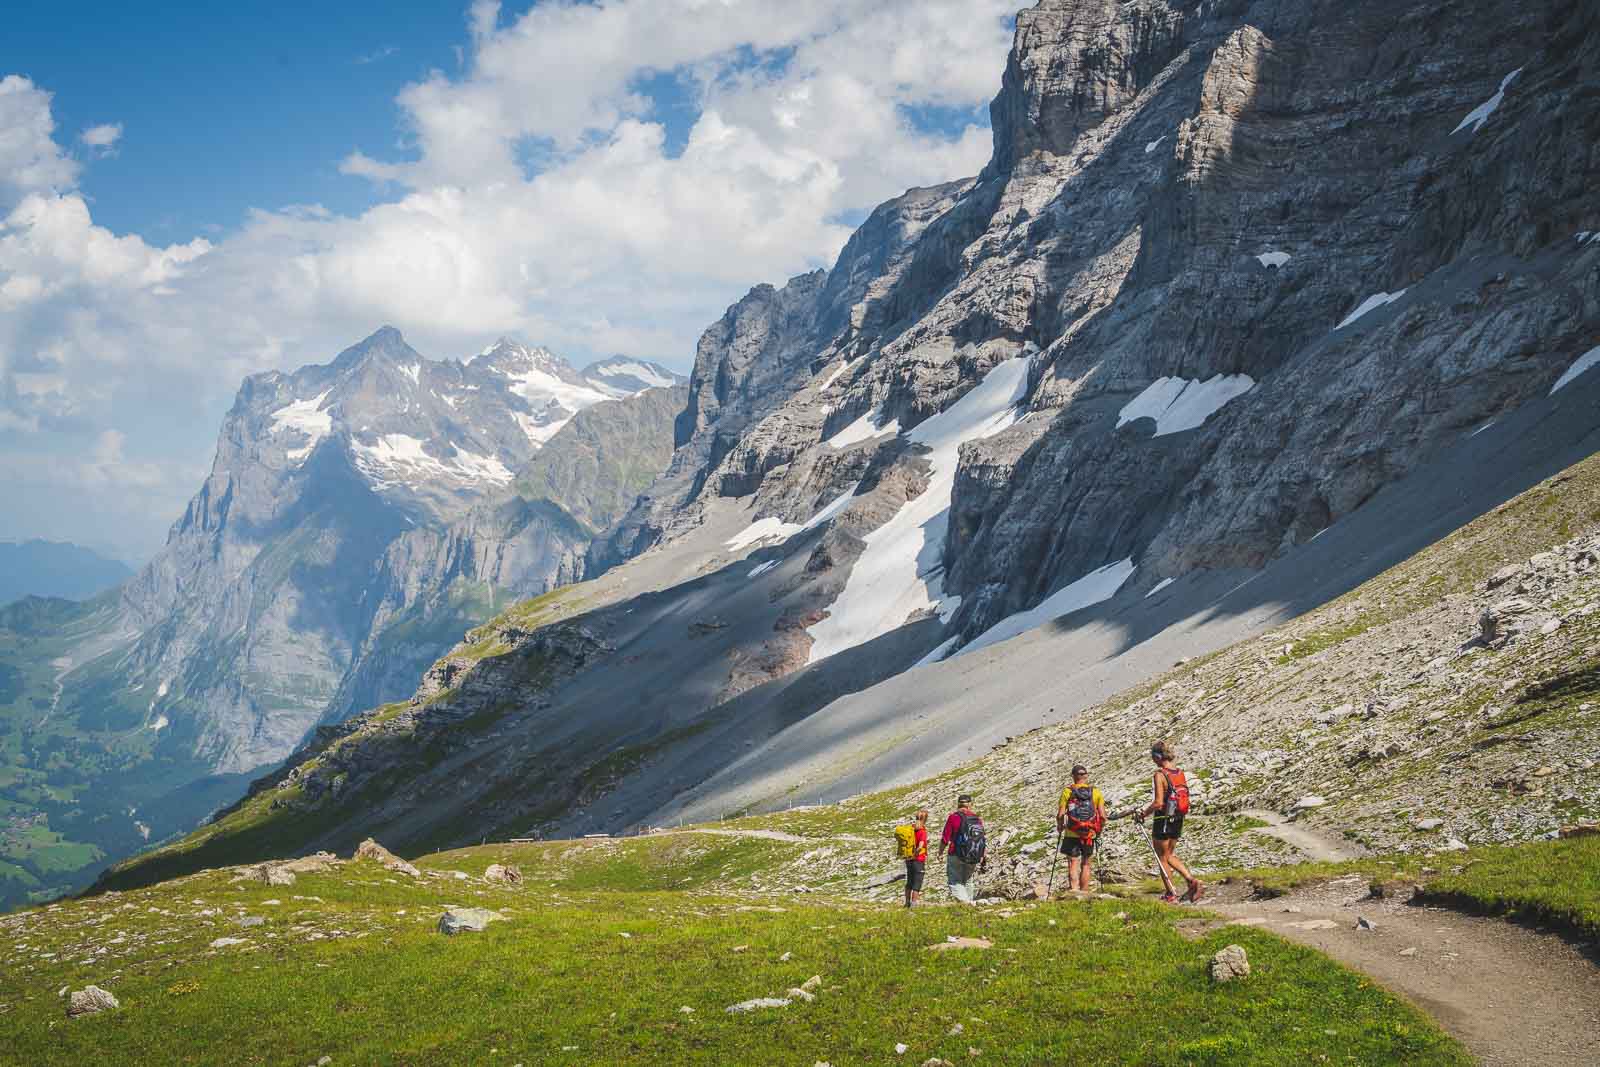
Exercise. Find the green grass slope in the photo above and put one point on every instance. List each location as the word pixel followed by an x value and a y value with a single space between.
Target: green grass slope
pixel 606 943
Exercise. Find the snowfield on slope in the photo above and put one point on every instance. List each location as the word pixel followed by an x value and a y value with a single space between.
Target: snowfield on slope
pixel 1092 588
pixel 306 417
pixel 774 528
pixel 900 571
pixel 1178 404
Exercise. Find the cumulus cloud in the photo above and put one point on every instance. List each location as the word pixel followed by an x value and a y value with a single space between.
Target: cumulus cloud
pixel 30 159
pixel 539 191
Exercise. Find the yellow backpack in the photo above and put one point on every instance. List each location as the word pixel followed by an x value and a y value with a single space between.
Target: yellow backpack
pixel 905 840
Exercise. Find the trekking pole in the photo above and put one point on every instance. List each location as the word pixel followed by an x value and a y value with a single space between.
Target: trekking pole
pixel 1049 892
pixel 1161 868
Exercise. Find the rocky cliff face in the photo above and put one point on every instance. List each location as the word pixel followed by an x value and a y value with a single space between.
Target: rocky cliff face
pixel 1262 257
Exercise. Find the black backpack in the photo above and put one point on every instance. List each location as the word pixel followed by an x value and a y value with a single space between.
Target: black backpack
pixel 969 843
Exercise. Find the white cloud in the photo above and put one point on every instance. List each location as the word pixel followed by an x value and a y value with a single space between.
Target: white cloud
pixel 621 239
pixel 30 159
pixel 102 139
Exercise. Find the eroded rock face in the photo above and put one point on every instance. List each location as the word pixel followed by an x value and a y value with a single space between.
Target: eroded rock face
pixel 1180 193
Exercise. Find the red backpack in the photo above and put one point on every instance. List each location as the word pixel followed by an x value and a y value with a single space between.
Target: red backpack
pixel 1083 821
pixel 1177 802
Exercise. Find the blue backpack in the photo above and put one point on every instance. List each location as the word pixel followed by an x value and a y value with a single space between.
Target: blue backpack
pixel 969 843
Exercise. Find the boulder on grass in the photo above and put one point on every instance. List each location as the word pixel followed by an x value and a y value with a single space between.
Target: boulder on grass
pixel 371 850
pixel 1230 964
pixel 91 1000
pixel 463 920
pixel 499 872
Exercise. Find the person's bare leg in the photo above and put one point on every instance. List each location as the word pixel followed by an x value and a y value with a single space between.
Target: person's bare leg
pixel 1084 872
pixel 1176 864
pixel 1072 872
pixel 1164 856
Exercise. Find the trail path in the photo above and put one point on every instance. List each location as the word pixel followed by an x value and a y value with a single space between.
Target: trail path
pixel 1513 997
pixel 768 835
pixel 1316 845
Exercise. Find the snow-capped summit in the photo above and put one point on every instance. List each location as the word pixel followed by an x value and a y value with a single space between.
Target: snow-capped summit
pixel 628 375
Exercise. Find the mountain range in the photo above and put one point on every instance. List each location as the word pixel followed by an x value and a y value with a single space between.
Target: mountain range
pixel 56 569
pixel 358 518
pixel 1254 300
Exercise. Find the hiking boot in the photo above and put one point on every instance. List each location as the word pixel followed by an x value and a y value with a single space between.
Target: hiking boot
pixel 1169 898
pixel 1196 891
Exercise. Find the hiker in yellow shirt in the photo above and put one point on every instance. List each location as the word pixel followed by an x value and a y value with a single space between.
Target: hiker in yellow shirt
pixel 1080 816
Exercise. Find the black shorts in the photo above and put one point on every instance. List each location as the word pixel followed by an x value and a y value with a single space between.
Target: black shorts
pixel 1074 848
pixel 916 870
pixel 1168 827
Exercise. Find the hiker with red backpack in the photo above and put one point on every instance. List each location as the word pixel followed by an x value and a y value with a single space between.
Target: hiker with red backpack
pixel 1080 816
pixel 962 847
pixel 1169 806
pixel 912 847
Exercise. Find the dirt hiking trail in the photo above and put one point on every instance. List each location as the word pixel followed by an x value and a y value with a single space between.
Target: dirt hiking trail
pixel 1513 997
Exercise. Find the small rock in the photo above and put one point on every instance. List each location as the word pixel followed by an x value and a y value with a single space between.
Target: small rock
pixel 1230 964
pixel 1502 576
pixel 686 1010
pixel 741 948
pixel 90 1000
pixel 249 920
pixel 499 872
pixel 1363 923
pixel 460 920
pixel 1408 952
pixel 800 994
pixel 1581 829
pixel 1306 803
pixel 1428 824
pixel 786 957
pixel 224 942
pixel 934 1061
pixel 371 850
pixel 956 1030
pixel 756 1004
pixel 1316 924
pixel 812 984
pixel 901 1049
pixel 961 942
pixel 1544 772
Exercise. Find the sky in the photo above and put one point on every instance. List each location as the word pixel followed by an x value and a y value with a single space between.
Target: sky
pixel 215 191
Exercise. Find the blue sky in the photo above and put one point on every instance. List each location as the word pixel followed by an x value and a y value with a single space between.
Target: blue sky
pixel 218 190
pixel 228 106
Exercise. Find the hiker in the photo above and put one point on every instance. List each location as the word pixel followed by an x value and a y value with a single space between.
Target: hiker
pixel 962 847
pixel 1080 816
pixel 915 853
pixel 1169 806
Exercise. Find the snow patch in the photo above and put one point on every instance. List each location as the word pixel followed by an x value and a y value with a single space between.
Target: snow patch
pixel 304 417
pixel 1162 584
pixel 1151 146
pixel 414 372
pixel 1480 114
pixel 829 380
pixel 629 368
pixel 1371 303
pixel 762 568
pixel 161 723
pixel 1092 588
pixel 863 429
pixel 1273 259
pixel 539 432
pixel 900 571
pixel 938 653
pixel 772 527
pixel 1579 365
pixel 1179 404
pixel 400 458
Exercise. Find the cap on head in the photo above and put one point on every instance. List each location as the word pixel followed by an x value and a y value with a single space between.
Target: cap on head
pixel 964 800
pixel 1080 771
